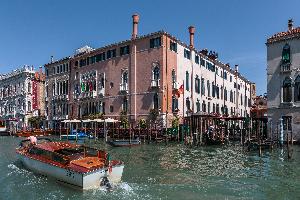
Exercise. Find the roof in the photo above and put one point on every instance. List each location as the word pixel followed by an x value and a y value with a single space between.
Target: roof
pixel 55 146
pixel 295 32
pixel 161 32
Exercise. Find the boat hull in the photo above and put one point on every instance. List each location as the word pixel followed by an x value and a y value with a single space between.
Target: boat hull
pixel 124 143
pixel 82 180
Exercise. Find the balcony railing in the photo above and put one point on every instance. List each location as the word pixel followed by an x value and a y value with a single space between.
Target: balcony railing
pixel 124 87
pixel 155 83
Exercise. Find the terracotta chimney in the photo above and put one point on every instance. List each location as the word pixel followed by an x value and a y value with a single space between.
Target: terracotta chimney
pixel 135 21
pixel 192 32
pixel 290 24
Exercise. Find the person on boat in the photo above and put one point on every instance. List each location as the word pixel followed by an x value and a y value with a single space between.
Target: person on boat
pixel 33 140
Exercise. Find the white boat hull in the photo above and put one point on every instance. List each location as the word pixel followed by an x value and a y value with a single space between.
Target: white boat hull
pixel 82 180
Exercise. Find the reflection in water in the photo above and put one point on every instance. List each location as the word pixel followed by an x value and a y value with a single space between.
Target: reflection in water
pixel 173 171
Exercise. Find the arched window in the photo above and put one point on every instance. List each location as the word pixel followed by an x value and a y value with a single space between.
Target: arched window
pixel 297 88
pixel 287 90
pixel 125 77
pixel 156 73
pixel 286 58
pixel 29 106
pixel 29 87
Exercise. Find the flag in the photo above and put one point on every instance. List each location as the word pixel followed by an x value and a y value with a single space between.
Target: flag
pixel 180 90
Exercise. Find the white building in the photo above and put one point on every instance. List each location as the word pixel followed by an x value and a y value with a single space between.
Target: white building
pixel 19 95
pixel 283 86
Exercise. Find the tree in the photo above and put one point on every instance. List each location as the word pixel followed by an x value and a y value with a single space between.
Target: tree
pixel 153 114
pixel 124 119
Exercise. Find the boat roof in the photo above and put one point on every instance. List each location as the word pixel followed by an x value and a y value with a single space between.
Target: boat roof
pixel 55 146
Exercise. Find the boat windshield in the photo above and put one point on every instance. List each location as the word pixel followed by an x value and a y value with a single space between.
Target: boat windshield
pixel 71 151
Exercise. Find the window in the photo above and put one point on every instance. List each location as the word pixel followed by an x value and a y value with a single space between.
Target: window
pixel 202 62
pixel 213 89
pixel 173 76
pixel 125 104
pixel 155 73
pixel 187 81
pixel 286 54
pixel 197 85
pixel 29 106
pixel 111 53
pixel 173 46
pixel 111 109
pixel 174 104
pixel 202 86
pixel 231 96
pixel 155 42
pixel 230 78
pixel 125 77
pixel 225 75
pixel 198 105
pixel 196 59
pixel 208 107
pixel 61 68
pixel 124 50
pixel 203 106
pixel 188 104
pixel 297 88
pixel 155 101
pixel 29 87
pixel 225 94
pixel 100 57
pixel 57 69
pixel 82 62
pixel 47 73
pixel 208 88
pixel 187 54
pixel 287 90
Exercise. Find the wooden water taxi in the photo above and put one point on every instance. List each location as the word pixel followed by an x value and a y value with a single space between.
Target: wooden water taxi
pixel 73 164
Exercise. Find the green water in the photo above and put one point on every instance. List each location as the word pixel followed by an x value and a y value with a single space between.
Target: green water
pixel 173 171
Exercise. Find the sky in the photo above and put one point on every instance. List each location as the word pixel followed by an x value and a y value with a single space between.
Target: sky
pixel 33 30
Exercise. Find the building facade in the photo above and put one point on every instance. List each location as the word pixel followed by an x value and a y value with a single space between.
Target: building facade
pixel 283 86
pixel 22 95
pixel 155 71
pixel 57 92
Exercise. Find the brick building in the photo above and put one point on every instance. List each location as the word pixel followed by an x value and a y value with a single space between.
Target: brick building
pixel 148 72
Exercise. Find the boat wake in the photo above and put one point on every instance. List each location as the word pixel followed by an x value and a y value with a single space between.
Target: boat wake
pixel 16 170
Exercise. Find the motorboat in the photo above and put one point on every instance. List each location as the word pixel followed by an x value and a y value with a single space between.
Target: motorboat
pixel 124 142
pixel 69 163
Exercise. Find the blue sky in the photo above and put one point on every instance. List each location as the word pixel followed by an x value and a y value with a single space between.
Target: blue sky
pixel 33 30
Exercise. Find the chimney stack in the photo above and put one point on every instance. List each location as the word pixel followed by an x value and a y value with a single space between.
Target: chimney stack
pixel 135 21
pixel 236 68
pixel 192 32
pixel 51 59
pixel 290 24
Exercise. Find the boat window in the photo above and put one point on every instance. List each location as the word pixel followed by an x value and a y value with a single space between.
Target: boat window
pixel 70 151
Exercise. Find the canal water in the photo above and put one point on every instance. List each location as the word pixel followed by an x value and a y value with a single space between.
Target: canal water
pixel 172 171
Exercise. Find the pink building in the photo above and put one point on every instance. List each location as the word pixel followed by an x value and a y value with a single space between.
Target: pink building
pixel 144 73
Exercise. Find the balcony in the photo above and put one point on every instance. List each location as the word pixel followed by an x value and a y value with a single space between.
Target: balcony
pixel 155 83
pixel 124 87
